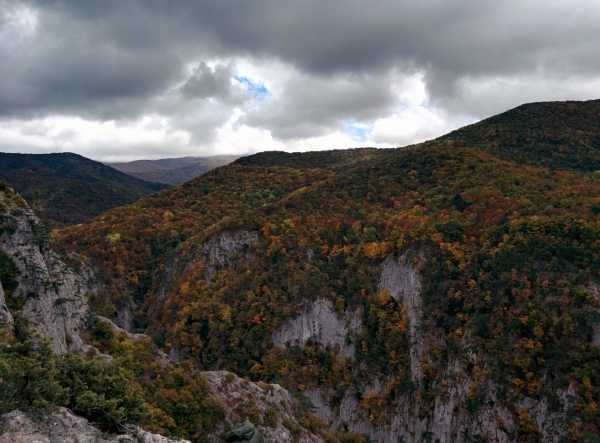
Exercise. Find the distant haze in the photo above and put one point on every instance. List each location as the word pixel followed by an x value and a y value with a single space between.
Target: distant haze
pixel 172 171
pixel 119 81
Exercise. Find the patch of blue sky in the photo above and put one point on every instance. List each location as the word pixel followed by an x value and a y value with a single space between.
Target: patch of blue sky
pixel 257 90
pixel 359 130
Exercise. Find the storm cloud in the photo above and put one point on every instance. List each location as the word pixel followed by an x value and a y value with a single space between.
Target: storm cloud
pixel 297 70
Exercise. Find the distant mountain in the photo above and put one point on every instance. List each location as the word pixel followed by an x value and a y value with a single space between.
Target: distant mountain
pixel 67 189
pixel 172 171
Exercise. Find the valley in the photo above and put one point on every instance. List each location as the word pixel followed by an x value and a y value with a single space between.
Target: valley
pixel 444 291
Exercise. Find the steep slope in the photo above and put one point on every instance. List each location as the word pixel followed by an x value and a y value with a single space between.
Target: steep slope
pixel 67 188
pixel 434 292
pixel 172 171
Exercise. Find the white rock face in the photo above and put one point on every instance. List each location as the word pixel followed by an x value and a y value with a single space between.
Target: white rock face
pixel 351 416
pixel 64 427
pixel 400 277
pixel 56 297
pixel 321 324
pixel 319 400
pixel 222 247
pixel 402 422
pixel 5 315
pixel 177 354
pixel 237 394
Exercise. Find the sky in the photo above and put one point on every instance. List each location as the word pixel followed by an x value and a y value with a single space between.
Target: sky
pixel 119 80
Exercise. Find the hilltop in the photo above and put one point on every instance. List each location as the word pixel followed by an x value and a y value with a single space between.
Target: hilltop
pixel 67 189
pixel 445 290
pixel 557 135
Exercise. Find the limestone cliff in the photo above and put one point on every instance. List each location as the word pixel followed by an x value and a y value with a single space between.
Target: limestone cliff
pixel 215 252
pixel 399 276
pixel 450 420
pixel 50 294
pixel 319 323
pixel 219 249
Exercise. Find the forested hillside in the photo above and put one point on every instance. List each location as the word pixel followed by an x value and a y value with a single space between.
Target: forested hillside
pixel 67 189
pixel 462 274
pixel 557 135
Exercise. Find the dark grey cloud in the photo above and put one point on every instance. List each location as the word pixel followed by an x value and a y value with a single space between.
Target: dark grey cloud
pixel 64 66
pixel 115 59
pixel 456 37
pixel 213 83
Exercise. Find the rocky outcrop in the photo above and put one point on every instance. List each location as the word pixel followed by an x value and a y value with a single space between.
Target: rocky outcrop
pixel 320 324
pixel 161 357
pixel 320 402
pixel 120 330
pixel 399 275
pixel 350 415
pixel 271 405
pixel 64 427
pixel 222 247
pixel 53 296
